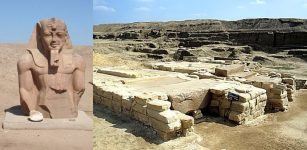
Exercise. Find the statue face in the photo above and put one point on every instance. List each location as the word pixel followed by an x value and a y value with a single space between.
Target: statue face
pixel 53 38
pixel 53 35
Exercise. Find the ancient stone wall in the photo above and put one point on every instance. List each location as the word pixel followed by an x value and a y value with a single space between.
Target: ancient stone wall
pixel 152 109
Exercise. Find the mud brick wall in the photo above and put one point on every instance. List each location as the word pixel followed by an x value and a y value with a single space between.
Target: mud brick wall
pixel 151 108
pixel 248 104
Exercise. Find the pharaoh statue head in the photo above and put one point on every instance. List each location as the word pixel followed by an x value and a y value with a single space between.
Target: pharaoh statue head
pixel 50 37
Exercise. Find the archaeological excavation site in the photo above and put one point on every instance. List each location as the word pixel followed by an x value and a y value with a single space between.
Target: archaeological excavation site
pixel 201 84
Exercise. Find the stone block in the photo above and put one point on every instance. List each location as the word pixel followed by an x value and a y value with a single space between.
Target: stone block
pixel 159 105
pixel 126 103
pixel 186 121
pixel 139 108
pixel 167 136
pixel 225 104
pixel 267 86
pixel 167 116
pixel 236 116
pixel 239 107
pixel 228 70
pixel 141 117
pixel 160 126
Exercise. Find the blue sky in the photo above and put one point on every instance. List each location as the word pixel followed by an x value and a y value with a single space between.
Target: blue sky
pixel 125 11
pixel 18 18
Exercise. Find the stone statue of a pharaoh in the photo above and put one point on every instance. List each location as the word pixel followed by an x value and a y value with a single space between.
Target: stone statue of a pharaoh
pixel 51 75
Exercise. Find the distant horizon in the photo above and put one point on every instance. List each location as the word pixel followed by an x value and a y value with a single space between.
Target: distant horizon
pixel 193 20
pixel 130 11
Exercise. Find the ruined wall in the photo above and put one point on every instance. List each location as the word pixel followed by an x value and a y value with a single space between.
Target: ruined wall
pixel 152 109
pixel 240 104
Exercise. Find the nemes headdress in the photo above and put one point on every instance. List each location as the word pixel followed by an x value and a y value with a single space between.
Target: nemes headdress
pixel 35 44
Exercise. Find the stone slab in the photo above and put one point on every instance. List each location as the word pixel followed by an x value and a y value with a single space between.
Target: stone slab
pixel 227 70
pixel 14 120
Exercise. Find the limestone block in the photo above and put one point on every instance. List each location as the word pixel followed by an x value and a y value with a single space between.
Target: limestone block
pixel 141 117
pixel 167 116
pixel 143 98
pixel 236 116
pixel 167 136
pixel 119 73
pixel 139 108
pixel 186 121
pixel 225 104
pixel 126 103
pixel 252 103
pixel 127 112
pixel 190 100
pixel 158 105
pixel 227 70
pixel 239 107
pixel 160 126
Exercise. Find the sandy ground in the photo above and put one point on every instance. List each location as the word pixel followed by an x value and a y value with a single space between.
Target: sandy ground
pixel 39 139
pixel 281 130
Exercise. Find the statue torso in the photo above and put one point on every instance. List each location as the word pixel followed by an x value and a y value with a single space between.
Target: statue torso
pixel 55 86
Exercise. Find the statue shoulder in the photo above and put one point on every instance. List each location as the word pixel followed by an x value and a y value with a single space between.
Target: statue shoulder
pixel 25 62
pixel 79 61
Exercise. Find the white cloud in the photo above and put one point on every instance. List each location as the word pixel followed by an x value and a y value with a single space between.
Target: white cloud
pixel 142 8
pixel 104 8
pixel 145 0
pixel 305 5
pixel 258 2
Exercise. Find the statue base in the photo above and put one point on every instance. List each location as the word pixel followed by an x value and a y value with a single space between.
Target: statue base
pixel 15 120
